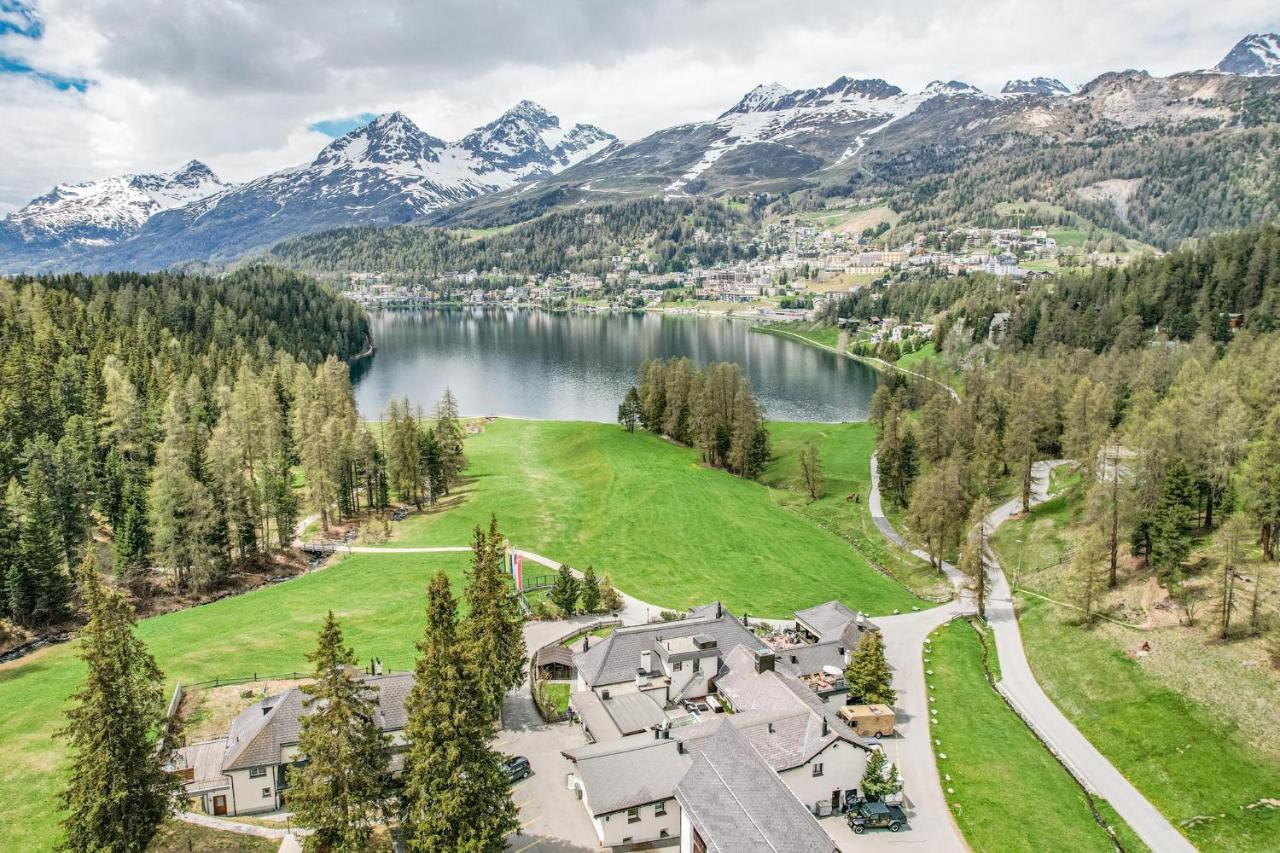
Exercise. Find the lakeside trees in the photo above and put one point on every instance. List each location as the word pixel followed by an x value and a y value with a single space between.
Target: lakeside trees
pixel 713 409
pixel 171 413
pixel 424 462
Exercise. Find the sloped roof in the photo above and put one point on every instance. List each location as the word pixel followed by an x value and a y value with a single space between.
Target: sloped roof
pixel 781 717
pixel 553 654
pixel 259 732
pixel 739 805
pixel 827 620
pixel 615 658
pixel 629 772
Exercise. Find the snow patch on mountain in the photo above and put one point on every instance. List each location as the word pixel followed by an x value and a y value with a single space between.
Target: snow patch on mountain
pixel 1255 55
pixel 110 209
pixel 1036 86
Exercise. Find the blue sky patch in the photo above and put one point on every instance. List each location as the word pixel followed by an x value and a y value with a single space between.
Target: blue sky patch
pixel 19 17
pixel 9 65
pixel 335 127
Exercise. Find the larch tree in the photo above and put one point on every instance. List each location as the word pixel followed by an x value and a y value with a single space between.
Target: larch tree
pixel 810 471
pixel 1023 431
pixel 449 434
pixel 342 790
pixel 118 788
pixel 973 554
pixel 1231 544
pixel 181 508
pixel 1087 572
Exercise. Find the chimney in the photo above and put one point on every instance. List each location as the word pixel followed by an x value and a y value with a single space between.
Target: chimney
pixel 586 642
pixel 719 610
pixel 825 729
pixel 771 728
pixel 646 661
pixel 764 660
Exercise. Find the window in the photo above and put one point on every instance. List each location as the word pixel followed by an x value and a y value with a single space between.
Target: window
pixel 697 664
pixel 266 792
pixel 257 772
pixel 633 815
pixel 677 665
pixel 817 769
pixel 660 809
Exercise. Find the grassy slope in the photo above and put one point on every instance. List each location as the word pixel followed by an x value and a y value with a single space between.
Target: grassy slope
pixel 664 527
pixel 1006 791
pixel 1190 758
pixel 1177 752
pixel 381 600
pixel 178 837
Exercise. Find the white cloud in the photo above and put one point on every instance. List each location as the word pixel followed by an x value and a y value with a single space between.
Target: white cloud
pixel 236 82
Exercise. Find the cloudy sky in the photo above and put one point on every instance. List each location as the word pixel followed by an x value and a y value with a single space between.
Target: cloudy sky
pixel 100 87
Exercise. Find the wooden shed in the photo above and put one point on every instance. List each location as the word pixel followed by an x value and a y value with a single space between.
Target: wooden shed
pixel 555 663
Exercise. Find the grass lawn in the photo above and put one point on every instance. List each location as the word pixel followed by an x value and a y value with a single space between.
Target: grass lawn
pixel 1195 765
pixel 821 334
pixel 178 837
pixel 1006 790
pixel 666 528
pixel 558 695
pixel 380 598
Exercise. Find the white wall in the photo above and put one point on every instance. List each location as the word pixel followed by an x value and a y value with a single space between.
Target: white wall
pixel 614 827
pixel 249 795
pixel 842 767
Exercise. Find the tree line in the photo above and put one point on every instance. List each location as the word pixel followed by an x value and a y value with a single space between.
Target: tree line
pixel 713 409
pixel 452 794
pixel 169 413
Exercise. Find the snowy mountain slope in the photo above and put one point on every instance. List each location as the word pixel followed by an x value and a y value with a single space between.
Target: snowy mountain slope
pixel 111 209
pixel 1036 86
pixel 387 171
pixel 1256 55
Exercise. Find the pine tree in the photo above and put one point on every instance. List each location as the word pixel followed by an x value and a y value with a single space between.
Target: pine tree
pixel 1087 573
pixel 342 790
pixel 493 630
pixel 590 595
pixel 449 434
pixel 868 676
pixel 45 586
pixel 564 593
pixel 880 779
pixel 118 791
pixel 132 536
pixel 973 554
pixel 456 796
pixel 10 555
pixel 1170 526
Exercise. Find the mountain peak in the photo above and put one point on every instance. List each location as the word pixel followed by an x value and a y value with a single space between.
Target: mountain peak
pixel 1036 86
pixel 390 138
pixel 951 87
pixel 1255 55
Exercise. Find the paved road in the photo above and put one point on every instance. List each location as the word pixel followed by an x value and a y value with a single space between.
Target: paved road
pixel 1020 686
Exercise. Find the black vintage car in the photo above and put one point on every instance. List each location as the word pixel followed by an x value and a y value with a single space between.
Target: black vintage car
pixel 864 816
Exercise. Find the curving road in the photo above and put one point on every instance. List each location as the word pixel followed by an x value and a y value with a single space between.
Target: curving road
pixel 1020 687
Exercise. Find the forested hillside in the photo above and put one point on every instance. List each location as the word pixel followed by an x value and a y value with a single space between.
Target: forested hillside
pixel 164 415
pixel 1233 279
pixel 580 240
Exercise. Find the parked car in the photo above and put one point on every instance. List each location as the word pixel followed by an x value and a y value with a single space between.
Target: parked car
pixel 517 767
pixel 876 816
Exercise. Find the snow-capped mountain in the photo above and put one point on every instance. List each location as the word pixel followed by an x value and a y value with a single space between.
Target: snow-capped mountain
pixel 1256 55
pixel 387 171
pixel 1036 86
pixel 111 209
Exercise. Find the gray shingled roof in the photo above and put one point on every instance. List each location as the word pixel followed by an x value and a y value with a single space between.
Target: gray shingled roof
pixel 615 658
pixel 739 805
pixel 828 620
pixel 781 717
pixel 259 732
pixel 630 772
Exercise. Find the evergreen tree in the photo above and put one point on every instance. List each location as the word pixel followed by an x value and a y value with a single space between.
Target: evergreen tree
pixel 868 676
pixel 629 410
pixel 1170 526
pixel 132 536
pixel 10 553
pixel 493 630
pixel 42 589
pixel 118 789
pixel 1087 572
pixel 590 594
pixel 564 592
pixel 342 789
pixel 973 554
pixel 456 796
pixel 449 434
pixel 880 779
